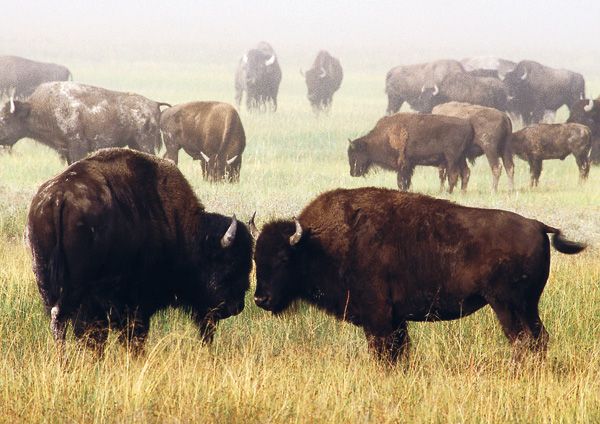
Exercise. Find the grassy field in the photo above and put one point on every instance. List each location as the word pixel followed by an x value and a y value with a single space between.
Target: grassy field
pixel 303 366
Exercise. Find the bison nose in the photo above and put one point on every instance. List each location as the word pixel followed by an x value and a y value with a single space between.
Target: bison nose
pixel 262 301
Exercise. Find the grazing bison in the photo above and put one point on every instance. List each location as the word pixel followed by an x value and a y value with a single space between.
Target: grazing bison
pixel 404 140
pixel 322 80
pixel 120 235
pixel 76 119
pixel 19 77
pixel 259 75
pixel 492 129
pixel 552 141
pixel 587 112
pixel 379 258
pixel 405 83
pixel 465 88
pixel 535 90
pixel 491 66
pixel 211 132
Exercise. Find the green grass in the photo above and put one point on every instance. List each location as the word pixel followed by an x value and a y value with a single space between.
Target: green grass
pixel 303 366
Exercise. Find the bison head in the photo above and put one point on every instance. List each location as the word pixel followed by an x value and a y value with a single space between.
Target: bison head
pixel 216 168
pixel 225 264
pixel 358 158
pixel 429 98
pixel 258 65
pixel 13 122
pixel 516 82
pixel 277 265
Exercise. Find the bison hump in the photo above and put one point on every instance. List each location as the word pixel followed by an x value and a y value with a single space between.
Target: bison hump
pixel 397 138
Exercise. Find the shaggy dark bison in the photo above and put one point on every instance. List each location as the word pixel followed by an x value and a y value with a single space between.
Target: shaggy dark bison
pixel 121 235
pixel 379 258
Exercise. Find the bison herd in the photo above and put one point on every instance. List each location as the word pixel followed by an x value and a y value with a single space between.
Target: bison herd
pixel 120 234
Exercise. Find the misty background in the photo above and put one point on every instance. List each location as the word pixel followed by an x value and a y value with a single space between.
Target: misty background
pixel 365 35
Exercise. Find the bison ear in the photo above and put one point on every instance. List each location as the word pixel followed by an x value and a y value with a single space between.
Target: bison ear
pixel 229 235
pixel 253 230
pixel 295 238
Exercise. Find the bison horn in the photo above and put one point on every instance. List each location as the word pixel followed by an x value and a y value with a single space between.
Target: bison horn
pixel 589 106
pixel 436 90
pixel 423 89
pixel 270 60
pixel 229 235
pixel 524 75
pixel 245 58
pixel 204 156
pixel 301 72
pixel 294 239
pixel 12 104
pixel 323 73
pixel 230 161
pixel 253 230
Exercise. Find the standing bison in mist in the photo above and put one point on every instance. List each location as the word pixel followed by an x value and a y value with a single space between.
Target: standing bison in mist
pixel 259 75
pixel 211 132
pixel 380 258
pixel 322 80
pixel 76 119
pixel 121 235
pixel 465 88
pixel 405 83
pixel 19 77
pixel 540 142
pixel 535 90
pixel 587 112
pixel 492 130
pixel 404 140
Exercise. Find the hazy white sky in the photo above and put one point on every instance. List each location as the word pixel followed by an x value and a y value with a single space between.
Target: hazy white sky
pixel 560 33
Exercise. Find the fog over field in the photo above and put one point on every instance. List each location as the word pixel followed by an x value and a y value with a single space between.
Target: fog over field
pixel 366 34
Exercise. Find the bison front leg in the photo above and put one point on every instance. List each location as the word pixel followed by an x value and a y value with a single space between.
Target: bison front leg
pixel 135 332
pixel 390 348
pixel 454 170
pixel 404 176
pixel 442 175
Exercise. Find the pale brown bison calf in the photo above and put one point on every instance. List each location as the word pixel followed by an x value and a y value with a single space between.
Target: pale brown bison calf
pixel 552 141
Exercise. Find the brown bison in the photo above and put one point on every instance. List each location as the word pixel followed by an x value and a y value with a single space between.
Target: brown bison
pixel 587 112
pixel 322 80
pixel 405 83
pixel 400 142
pixel 211 132
pixel 492 129
pixel 76 119
pixel 379 258
pixel 552 141
pixel 119 236
pixel 20 76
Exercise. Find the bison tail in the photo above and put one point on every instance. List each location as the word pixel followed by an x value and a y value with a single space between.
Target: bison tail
pixel 161 104
pixel 56 264
pixel 562 244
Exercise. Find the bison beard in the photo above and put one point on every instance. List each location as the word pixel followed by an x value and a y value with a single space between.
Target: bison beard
pixel 380 258
pixel 120 235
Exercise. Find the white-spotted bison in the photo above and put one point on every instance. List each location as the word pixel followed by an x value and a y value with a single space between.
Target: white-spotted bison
pixel 76 119
pixel 540 142
pixel 401 141
pixel 379 258
pixel 211 132
pixel 119 236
